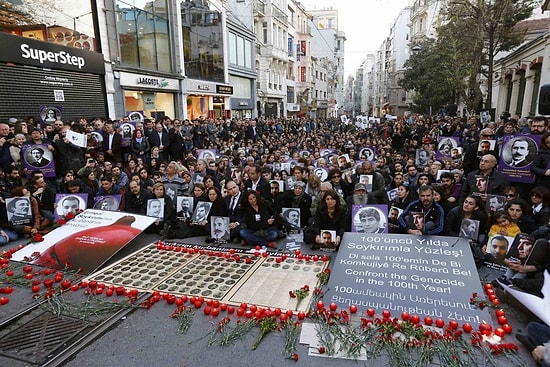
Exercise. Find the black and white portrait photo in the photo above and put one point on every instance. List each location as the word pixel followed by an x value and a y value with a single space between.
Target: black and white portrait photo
pixel 422 157
pixel 367 154
pixel 50 114
pixel 66 203
pixel 201 211
pixel 495 203
pixel 126 130
pixel 155 208
pixel 219 228
pixel 368 220
pixel 519 151
pixel 19 210
pixel 38 156
pixel 185 207
pixel 107 202
pixel 292 216
pixel 206 154
pixel 469 228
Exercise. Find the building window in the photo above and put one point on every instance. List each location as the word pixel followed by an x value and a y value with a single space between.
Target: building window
pixel 521 94
pixel 144 36
pixel 202 45
pixel 302 74
pixel 535 92
pixel 290 46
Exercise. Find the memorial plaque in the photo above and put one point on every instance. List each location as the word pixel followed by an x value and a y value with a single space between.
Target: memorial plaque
pixel 423 275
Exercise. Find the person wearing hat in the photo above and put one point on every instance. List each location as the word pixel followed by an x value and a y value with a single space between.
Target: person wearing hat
pixel 360 196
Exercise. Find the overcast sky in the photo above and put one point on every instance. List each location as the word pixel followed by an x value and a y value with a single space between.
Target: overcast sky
pixel 365 22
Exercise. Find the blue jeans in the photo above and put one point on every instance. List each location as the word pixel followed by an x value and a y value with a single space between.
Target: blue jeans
pixel 253 240
pixel 11 234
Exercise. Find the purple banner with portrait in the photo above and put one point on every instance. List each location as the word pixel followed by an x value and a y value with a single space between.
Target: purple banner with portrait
pixel 107 202
pixel 369 219
pixel 517 153
pixel 447 146
pixel 50 114
pixel 127 130
pixel 38 157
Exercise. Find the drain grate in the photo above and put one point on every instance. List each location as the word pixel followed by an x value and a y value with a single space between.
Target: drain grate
pixel 37 339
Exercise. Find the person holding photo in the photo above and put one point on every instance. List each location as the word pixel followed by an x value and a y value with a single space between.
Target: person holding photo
pixel 470 209
pixel 485 180
pixel 37 224
pixel 165 226
pixel 218 209
pixel 259 219
pixel 330 215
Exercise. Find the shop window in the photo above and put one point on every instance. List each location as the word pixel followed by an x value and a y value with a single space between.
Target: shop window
pixel 203 52
pixel 144 36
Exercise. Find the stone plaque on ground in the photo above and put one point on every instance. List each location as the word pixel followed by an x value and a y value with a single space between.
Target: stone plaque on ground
pixel 423 275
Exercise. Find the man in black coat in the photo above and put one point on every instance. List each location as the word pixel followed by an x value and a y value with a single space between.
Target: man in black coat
pixel 112 144
pixel 160 138
pixel 257 183
pixel 233 202
pixel 472 155
pixel 136 198
pixel 177 141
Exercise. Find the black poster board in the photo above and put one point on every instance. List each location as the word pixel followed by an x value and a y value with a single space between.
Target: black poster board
pixel 423 275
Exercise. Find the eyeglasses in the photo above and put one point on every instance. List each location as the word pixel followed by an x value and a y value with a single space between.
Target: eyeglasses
pixel 510 195
pixel 336 176
pixel 535 195
pixel 488 135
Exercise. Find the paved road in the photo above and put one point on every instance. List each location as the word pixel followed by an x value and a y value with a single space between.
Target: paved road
pixel 150 337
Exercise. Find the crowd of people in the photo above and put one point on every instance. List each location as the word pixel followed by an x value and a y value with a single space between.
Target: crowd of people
pixel 418 175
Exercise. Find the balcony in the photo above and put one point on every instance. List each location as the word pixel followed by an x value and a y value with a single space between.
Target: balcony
pixel 259 8
pixel 279 14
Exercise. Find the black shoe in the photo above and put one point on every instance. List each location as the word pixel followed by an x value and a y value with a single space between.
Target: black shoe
pixel 524 339
pixel 315 246
pixel 209 240
pixel 496 284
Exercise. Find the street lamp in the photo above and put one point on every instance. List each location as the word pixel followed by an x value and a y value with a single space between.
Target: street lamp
pixel 75 33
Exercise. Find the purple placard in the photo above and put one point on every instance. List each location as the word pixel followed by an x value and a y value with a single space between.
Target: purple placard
pixel 516 156
pixel 126 131
pixel 107 202
pixel 49 114
pixel 69 203
pixel 445 146
pixel 369 219
pixel 367 154
pixel 206 154
pixel 38 157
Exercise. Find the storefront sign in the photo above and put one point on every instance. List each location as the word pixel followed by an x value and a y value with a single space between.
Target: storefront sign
pixel 423 275
pixel 148 81
pixel 292 107
pixel 26 51
pixel 224 89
